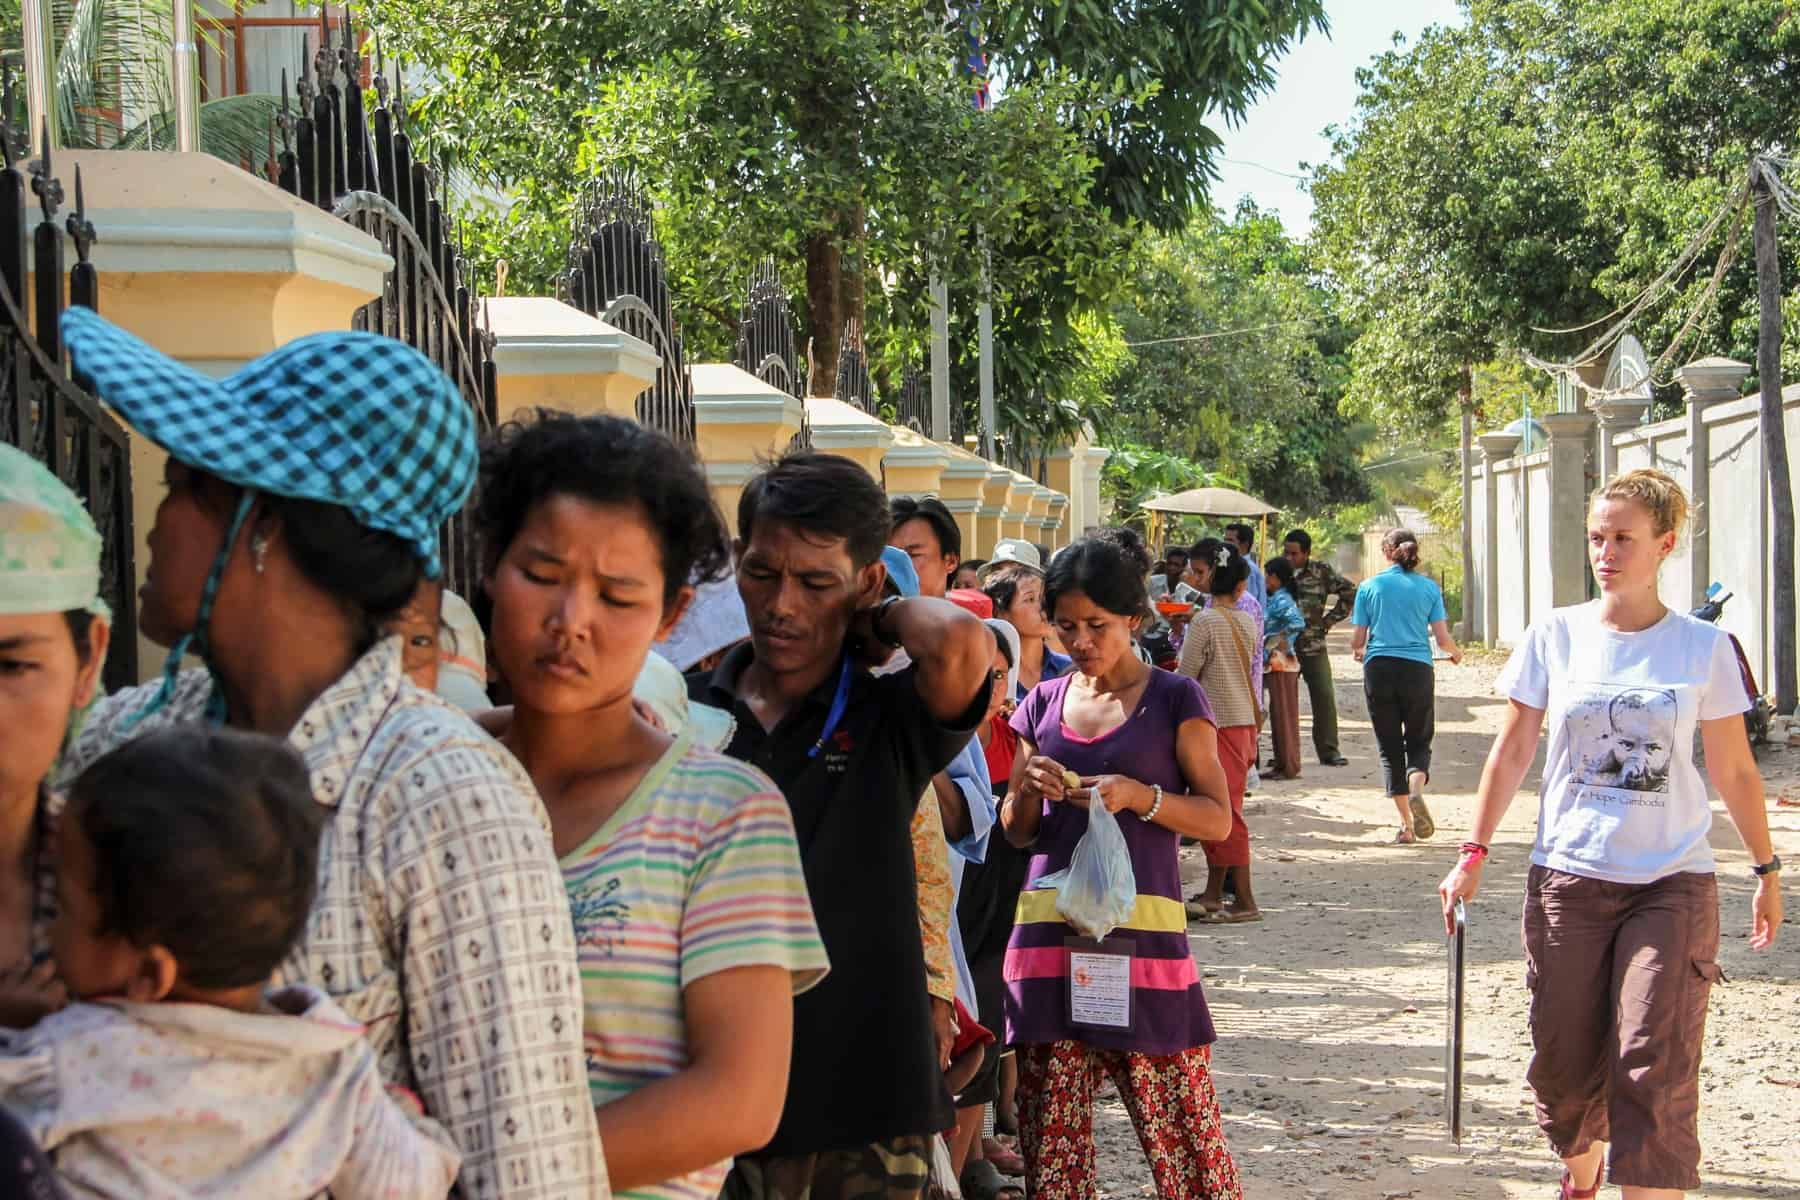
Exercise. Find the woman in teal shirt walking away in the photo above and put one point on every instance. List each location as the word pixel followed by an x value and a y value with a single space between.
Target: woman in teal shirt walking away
pixel 1397 614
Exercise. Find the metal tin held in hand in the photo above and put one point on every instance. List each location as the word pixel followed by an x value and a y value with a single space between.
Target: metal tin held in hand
pixel 1457 960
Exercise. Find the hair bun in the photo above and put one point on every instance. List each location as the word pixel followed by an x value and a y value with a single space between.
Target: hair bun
pixel 1127 542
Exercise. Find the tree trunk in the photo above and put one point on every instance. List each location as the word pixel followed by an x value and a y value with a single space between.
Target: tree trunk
pixel 824 312
pixel 1774 438
pixel 1466 398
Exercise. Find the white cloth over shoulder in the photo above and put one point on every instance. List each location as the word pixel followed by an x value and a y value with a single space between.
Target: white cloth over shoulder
pixel 177 1101
pixel 1622 799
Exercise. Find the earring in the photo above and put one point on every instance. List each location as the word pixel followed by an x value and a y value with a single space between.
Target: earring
pixel 259 552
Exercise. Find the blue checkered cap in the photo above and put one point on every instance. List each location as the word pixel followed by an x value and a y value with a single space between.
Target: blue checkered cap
pixel 352 419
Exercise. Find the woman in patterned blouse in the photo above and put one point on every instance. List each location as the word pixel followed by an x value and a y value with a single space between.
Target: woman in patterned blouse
pixel 306 497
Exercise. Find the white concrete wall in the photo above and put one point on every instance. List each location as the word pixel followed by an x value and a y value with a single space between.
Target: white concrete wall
pixel 1537 540
pixel 1476 584
pixel 1736 520
pixel 1510 515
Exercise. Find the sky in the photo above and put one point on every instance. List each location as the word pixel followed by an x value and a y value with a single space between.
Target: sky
pixel 1316 88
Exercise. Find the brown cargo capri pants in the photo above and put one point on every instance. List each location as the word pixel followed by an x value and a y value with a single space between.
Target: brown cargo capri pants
pixel 1619 977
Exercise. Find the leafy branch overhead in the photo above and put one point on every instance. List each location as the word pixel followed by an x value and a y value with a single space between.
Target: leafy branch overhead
pixel 1533 171
pixel 843 140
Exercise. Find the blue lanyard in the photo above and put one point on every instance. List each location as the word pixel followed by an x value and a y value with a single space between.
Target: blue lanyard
pixel 838 703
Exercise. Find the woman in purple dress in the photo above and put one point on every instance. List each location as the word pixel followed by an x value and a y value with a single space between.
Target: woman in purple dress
pixel 1143 743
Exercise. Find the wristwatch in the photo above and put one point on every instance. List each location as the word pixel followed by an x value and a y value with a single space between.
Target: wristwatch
pixel 875 622
pixel 1772 867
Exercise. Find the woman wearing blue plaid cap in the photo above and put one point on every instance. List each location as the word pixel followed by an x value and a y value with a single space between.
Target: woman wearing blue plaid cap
pixel 305 498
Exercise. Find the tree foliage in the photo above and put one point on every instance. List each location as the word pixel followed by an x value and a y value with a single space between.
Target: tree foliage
pixel 1238 361
pixel 1179 66
pixel 843 140
pixel 1535 171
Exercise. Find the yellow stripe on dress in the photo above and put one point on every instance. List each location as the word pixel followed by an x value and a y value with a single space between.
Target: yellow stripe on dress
pixel 1153 914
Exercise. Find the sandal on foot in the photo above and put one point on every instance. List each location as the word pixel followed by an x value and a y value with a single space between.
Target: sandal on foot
pixel 1200 909
pixel 981 1180
pixel 1241 917
pixel 1405 838
pixel 1423 825
pixel 1006 1160
pixel 1568 1191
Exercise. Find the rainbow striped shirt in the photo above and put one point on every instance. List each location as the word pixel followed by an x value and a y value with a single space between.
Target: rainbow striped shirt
pixel 697 872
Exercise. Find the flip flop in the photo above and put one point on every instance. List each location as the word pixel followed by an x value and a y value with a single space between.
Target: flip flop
pixel 981 1180
pixel 1404 838
pixel 1423 825
pixel 1199 910
pixel 1239 918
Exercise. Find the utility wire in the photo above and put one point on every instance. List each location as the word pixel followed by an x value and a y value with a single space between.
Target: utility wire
pixel 1256 166
pixel 1623 318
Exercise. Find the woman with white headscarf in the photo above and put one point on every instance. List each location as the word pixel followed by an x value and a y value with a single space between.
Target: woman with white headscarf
pixel 53 637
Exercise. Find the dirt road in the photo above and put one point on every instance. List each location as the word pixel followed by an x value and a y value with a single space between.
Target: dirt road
pixel 1331 1011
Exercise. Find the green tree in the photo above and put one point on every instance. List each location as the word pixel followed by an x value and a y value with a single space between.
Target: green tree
pixel 1184 65
pixel 1237 361
pixel 1536 170
pixel 843 139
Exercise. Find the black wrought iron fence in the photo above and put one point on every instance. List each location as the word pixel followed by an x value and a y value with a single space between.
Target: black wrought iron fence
pixel 43 411
pixel 360 164
pixel 615 272
pixel 854 383
pixel 765 342
pixel 914 408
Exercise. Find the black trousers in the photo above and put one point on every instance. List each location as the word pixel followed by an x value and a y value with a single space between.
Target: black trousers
pixel 1402 707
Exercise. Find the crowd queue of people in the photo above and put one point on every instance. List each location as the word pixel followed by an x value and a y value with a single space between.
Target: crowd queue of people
pixel 706 860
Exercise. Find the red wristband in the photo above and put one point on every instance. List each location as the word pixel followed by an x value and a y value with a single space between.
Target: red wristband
pixel 1473 852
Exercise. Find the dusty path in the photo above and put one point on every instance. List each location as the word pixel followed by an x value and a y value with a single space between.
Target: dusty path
pixel 1331 1011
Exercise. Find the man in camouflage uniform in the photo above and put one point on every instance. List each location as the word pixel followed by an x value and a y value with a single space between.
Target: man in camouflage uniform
pixel 1325 599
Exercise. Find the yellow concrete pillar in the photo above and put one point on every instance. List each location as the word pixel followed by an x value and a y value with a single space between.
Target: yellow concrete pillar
pixel 962 482
pixel 1018 507
pixel 739 422
pixel 1064 475
pixel 1057 522
pixel 914 465
pixel 1037 517
pixel 844 429
pixel 548 354
pixel 214 267
pixel 996 490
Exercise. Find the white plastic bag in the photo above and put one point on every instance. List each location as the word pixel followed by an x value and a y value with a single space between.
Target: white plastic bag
pixel 943 1184
pixel 1098 891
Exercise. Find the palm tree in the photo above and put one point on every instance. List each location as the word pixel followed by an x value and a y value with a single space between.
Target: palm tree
pixel 112 84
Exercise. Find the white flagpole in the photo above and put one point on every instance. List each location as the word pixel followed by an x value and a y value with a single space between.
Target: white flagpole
pixel 39 36
pixel 940 359
pixel 183 56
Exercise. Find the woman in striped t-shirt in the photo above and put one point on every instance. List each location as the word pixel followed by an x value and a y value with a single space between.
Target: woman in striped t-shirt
pixel 691 916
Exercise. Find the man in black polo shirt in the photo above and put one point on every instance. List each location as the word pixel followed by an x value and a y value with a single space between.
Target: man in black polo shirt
pixel 853 754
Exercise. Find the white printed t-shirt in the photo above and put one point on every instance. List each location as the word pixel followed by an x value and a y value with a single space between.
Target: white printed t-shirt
pixel 1621 798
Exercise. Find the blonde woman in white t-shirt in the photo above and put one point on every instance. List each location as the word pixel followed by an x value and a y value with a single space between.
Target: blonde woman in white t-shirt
pixel 1621 922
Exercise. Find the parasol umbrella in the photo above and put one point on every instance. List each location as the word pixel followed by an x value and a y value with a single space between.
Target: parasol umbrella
pixel 1209 502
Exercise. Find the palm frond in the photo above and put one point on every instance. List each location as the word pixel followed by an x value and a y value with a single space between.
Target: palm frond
pixel 111 59
pixel 234 128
